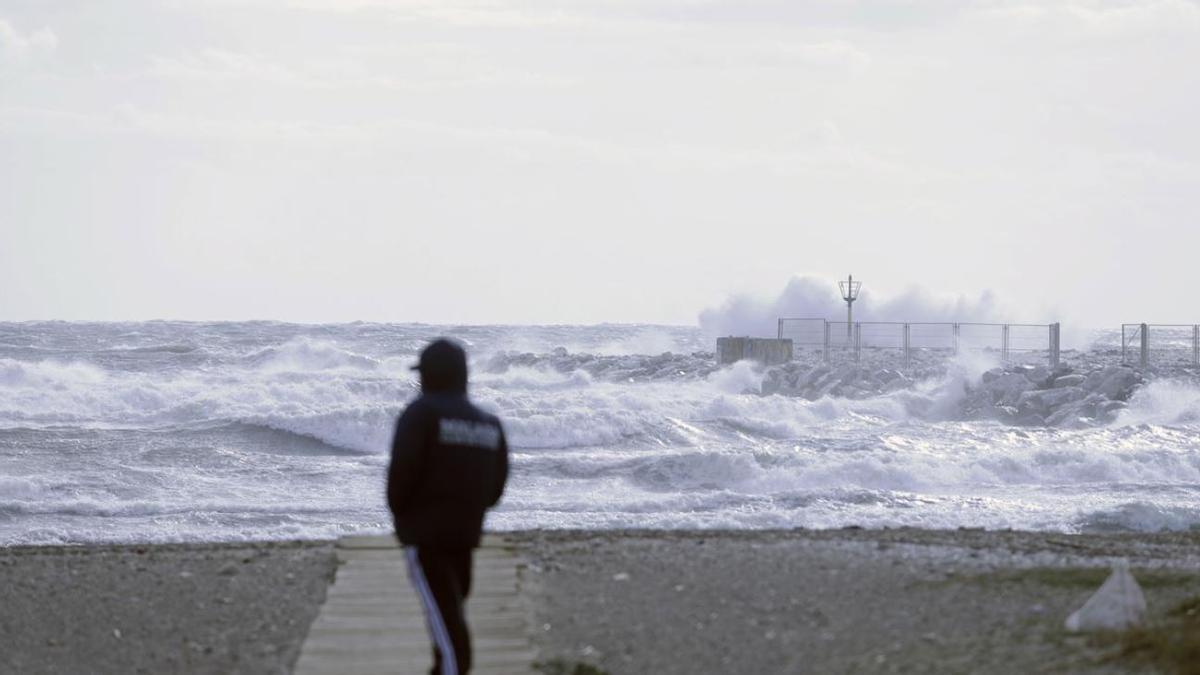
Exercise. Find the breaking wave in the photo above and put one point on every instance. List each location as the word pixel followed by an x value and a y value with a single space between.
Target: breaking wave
pixel 243 430
pixel 305 355
pixel 1164 402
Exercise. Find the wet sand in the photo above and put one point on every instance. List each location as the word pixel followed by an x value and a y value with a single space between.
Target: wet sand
pixel 845 601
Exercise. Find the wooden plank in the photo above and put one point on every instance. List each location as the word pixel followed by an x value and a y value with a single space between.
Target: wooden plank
pixel 372 621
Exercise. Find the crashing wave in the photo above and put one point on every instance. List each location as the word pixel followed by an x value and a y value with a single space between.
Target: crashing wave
pixel 1083 393
pixel 613 368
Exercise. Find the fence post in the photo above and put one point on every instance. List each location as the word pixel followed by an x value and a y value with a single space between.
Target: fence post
pixel 1004 344
pixel 1056 343
pixel 857 342
pixel 1145 345
pixel 1124 344
pixel 826 349
pixel 956 339
pixel 1196 345
pixel 779 331
pixel 907 345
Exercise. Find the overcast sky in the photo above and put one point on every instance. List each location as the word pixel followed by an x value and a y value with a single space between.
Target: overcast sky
pixel 579 162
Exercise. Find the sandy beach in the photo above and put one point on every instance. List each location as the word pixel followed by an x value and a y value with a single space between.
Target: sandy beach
pixel 840 601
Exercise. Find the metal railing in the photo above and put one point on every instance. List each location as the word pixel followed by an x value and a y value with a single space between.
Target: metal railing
pixel 805 334
pixel 1172 344
pixel 835 339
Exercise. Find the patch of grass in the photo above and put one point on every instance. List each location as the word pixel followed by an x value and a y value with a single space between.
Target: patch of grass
pixel 1084 577
pixel 1168 643
pixel 1189 608
pixel 1057 577
pixel 562 667
pixel 1171 645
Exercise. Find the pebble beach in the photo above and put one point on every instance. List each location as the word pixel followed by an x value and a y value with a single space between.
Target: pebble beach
pixel 788 601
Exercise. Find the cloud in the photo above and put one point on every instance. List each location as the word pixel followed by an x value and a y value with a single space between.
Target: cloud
pixel 502 17
pixel 224 67
pixel 820 160
pixel 217 65
pixel 17 47
pixel 1153 18
pixel 468 14
pixel 833 55
pixel 983 139
pixel 813 298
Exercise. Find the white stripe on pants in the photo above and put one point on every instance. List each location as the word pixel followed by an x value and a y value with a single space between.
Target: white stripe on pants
pixel 433 615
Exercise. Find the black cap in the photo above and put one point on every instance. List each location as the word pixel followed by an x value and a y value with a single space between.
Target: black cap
pixel 443 366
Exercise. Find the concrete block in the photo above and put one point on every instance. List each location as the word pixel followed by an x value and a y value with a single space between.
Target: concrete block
pixel 768 351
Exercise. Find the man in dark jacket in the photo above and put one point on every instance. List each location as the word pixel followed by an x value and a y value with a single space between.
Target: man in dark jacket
pixel 449 465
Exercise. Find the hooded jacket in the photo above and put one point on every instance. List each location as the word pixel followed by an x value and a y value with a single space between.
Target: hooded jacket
pixel 449 458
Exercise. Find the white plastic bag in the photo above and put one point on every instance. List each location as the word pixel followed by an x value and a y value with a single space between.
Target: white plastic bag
pixel 1117 605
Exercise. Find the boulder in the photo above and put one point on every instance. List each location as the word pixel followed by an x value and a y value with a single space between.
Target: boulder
pixel 810 378
pixel 1073 380
pixel 1111 406
pixel 1053 398
pixel 1047 403
pixel 1094 379
pixel 1091 404
pixel 830 377
pixel 1108 410
pixel 1119 382
pixel 1030 419
pixel 823 388
pixel 1072 415
pixel 1039 375
pixel 1007 389
pixel 1006 413
pixel 1031 401
pixel 978 399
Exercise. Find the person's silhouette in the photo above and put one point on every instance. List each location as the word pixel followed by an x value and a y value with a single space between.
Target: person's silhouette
pixel 449 465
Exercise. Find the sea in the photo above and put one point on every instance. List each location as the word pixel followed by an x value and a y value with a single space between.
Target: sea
pixel 182 431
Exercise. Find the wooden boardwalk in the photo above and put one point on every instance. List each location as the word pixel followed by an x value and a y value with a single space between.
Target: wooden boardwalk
pixel 372 622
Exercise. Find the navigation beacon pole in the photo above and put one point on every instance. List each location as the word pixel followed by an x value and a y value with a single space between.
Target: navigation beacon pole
pixel 849 289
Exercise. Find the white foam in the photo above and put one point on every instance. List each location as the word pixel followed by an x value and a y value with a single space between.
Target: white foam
pixel 648 341
pixel 1163 402
pixel 49 374
pixel 308 355
pixel 739 378
pixel 617 440
pixel 16 487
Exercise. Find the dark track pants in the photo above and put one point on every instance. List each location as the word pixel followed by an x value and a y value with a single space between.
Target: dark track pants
pixel 442 579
